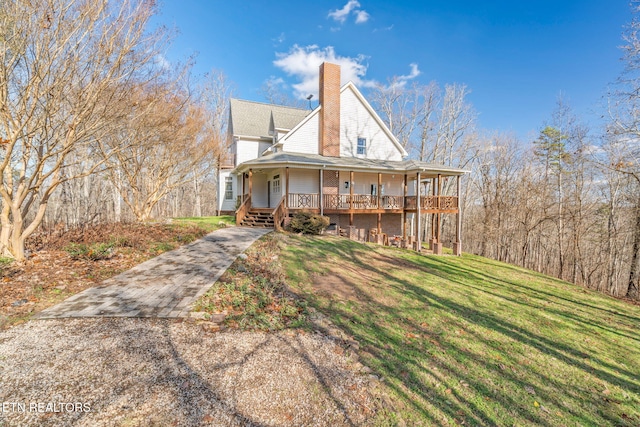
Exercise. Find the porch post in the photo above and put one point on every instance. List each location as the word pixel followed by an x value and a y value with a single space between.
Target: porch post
pixel 351 198
pixel 437 245
pixel 250 181
pixel 433 240
pixel 379 202
pixel 418 206
pixel 321 195
pixel 404 207
pixel 286 196
pixel 457 246
pixel 243 189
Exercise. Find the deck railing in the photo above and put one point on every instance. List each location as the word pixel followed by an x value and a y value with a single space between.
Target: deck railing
pixel 432 202
pixel 368 202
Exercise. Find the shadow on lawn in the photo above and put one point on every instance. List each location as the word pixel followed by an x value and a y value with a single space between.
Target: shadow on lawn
pixel 465 396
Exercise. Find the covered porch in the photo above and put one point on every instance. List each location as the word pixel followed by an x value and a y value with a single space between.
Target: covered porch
pixel 386 203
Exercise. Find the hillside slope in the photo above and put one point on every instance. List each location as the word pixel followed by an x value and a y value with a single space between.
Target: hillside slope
pixel 474 341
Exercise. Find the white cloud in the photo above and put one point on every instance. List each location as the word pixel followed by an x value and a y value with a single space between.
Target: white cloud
pixel 352 6
pixel 340 15
pixel 303 63
pixel 362 17
pixel 401 81
pixel 278 40
pixel 389 28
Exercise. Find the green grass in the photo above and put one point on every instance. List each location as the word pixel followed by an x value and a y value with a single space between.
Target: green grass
pixel 210 223
pixel 474 341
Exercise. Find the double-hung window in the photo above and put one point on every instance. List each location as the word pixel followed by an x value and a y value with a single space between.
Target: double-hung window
pixel 276 184
pixel 228 188
pixel 362 146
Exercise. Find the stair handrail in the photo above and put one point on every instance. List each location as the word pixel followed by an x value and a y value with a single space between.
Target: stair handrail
pixel 279 214
pixel 241 212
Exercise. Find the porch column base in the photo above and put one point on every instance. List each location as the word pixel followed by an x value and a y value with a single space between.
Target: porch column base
pixel 432 241
pixel 457 248
pixel 437 248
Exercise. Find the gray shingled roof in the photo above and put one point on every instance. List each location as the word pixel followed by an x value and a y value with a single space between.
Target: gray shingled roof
pixel 250 118
pixel 315 161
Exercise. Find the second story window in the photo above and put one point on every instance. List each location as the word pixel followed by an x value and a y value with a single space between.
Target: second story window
pixel 362 146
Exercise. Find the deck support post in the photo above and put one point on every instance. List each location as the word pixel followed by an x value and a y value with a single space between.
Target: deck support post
pixel 437 244
pixel 351 199
pixel 418 222
pixel 404 208
pixel 250 181
pixel 457 246
pixel 379 202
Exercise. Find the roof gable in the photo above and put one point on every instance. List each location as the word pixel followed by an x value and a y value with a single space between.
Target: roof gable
pixel 256 119
pixel 350 86
pixel 375 116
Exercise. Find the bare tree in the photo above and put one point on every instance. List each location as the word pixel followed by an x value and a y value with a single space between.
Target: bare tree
pixel 163 144
pixel 624 144
pixel 215 94
pixel 63 62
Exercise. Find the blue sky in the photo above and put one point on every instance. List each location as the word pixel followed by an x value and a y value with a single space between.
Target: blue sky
pixel 515 57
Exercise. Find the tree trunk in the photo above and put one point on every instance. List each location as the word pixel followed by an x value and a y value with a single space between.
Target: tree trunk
pixel 198 199
pixel 633 290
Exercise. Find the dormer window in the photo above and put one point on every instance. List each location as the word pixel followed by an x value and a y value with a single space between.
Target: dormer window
pixel 362 146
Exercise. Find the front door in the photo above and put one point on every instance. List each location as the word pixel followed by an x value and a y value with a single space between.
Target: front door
pixel 269 193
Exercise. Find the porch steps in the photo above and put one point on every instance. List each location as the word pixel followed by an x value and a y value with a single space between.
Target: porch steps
pixel 258 219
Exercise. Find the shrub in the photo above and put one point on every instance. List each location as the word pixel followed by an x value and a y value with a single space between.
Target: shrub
pixel 308 223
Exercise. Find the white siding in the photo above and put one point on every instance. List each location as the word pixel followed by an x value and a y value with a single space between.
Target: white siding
pixel 304 181
pixel 249 150
pixel 227 204
pixel 305 138
pixel 356 121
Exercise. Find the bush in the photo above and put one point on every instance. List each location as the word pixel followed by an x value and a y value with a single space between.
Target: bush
pixel 308 223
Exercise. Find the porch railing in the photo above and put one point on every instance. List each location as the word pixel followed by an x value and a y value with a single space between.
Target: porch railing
pixel 366 202
pixel 242 210
pixel 279 214
pixel 347 201
pixel 303 201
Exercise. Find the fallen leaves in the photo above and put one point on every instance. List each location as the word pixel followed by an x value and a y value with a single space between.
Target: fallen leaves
pixel 50 275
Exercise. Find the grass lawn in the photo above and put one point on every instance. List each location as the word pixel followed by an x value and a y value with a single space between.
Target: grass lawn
pixel 467 340
pixel 209 223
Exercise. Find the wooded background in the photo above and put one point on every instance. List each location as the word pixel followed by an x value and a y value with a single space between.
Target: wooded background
pixel 95 127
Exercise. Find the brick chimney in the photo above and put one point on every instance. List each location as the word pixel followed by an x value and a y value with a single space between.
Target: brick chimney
pixel 330 111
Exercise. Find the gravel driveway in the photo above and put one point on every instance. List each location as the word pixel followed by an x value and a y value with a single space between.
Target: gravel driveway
pixel 104 372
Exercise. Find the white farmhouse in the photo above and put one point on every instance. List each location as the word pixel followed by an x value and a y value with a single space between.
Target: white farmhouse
pixel 339 160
